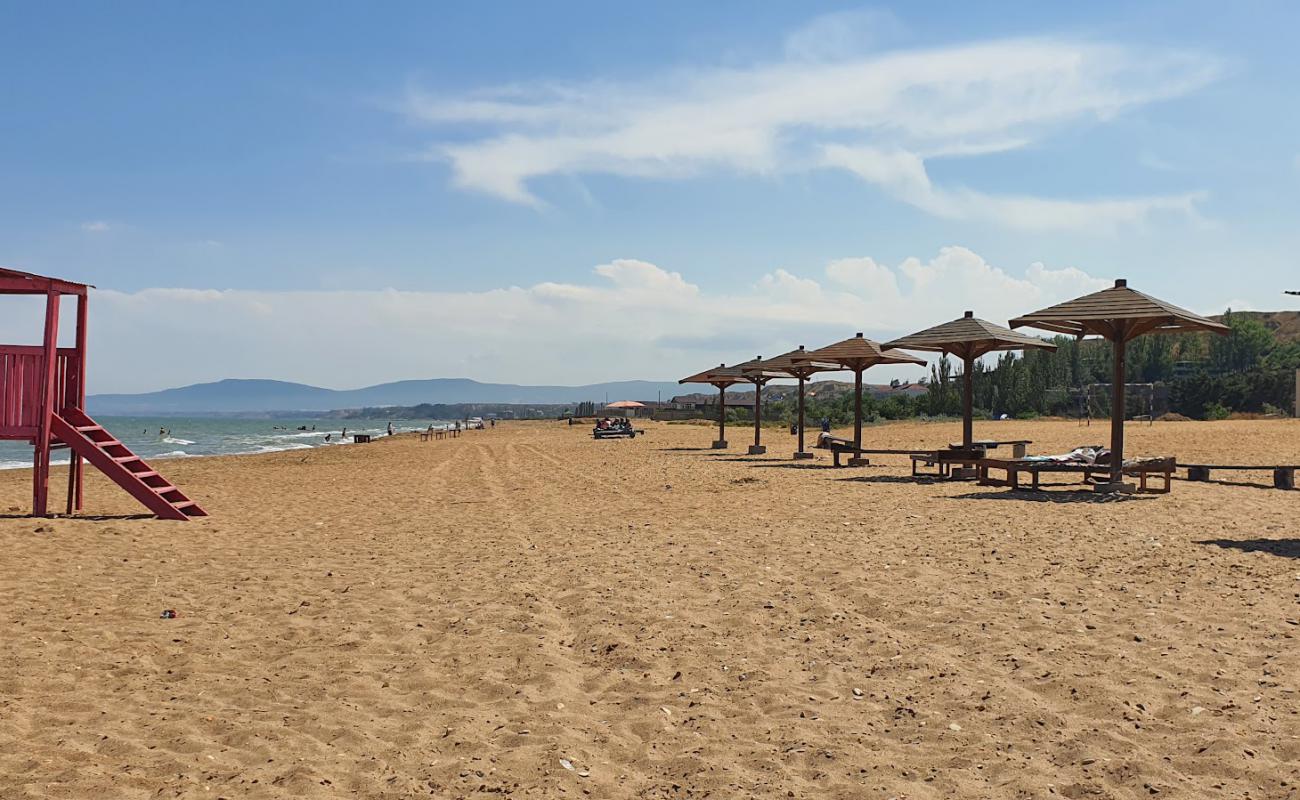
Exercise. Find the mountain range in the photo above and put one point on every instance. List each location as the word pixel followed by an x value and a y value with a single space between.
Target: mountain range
pixel 236 396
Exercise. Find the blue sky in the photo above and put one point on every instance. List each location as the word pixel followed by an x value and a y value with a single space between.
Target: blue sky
pixel 589 191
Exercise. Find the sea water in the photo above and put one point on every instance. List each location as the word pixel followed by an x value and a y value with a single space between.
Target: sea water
pixel 154 438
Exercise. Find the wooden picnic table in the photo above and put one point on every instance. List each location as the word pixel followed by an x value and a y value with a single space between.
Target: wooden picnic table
pixel 956 455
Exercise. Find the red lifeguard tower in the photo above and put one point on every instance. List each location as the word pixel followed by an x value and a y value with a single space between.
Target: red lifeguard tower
pixel 42 396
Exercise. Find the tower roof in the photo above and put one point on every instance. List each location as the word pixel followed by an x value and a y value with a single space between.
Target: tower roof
pixel 14 281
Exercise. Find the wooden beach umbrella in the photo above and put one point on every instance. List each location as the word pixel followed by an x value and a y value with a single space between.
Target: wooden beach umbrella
pixel 858 355
pixel 757 372
pixel 719 377
pixel 968 338
pixel 1117 314
pixel 792 364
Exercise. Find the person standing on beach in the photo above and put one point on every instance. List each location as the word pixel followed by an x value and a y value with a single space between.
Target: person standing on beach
pixel 390 428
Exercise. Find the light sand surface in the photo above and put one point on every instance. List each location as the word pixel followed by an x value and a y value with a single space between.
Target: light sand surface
pixel 462 618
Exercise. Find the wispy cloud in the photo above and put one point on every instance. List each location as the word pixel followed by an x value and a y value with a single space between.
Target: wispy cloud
pixel 96 226
pixel 903 175
pixel 834 107
pixel 631 319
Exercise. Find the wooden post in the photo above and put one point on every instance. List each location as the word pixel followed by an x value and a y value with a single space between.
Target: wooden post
pixel 967 407
pixel 856 460
pixel 1117 409
pixel 857 409
pixel 41 462
pixel 721 444
pixel 757 448
pixel 76 468
pixel 798 453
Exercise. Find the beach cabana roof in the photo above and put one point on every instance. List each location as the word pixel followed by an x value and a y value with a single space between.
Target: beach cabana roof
pixel 794 364
pixel 1118 314
pixel 719 375
pixel 858 353
pixel 968 337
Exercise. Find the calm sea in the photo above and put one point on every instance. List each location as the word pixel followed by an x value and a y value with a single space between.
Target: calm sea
pixel 156 438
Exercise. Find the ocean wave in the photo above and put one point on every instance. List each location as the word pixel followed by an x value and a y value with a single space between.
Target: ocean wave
pixel 170 440
pixel 279 448
pixel 173 454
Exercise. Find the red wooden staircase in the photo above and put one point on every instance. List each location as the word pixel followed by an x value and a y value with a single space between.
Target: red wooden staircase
pixel 92 442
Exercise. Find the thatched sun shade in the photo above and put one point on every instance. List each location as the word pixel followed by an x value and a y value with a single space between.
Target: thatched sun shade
pixel 857 354
pixel 792 365
pixel 968 338
pixel 1118 314
pixel 719 377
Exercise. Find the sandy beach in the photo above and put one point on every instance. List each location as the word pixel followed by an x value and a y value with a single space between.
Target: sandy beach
pixel 526 612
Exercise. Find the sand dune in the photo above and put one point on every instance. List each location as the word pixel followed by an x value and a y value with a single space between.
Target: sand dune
pixel 527 612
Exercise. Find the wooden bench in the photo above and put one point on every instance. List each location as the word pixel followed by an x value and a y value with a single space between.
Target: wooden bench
pixel 361 438
pixel 841 447
pixel 1283 477
pixel 1163 467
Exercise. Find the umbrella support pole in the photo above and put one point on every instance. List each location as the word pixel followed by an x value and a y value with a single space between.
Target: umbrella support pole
pixel 758 448
pixel 857 460
pixel 721 443
pixel 799 453
pixel 1116 484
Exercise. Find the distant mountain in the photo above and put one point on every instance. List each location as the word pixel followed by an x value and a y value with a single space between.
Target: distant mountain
pixel 233 396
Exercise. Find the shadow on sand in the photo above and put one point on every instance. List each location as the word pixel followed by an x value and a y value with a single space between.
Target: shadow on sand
pixel 1052 496
pixel 1245 484
pixel 922 480
pixel 1286 548
pixel 79 517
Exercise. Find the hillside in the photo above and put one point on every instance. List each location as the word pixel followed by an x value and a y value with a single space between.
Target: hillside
pixel 1285 325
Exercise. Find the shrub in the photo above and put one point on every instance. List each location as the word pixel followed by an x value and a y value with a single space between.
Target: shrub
pixel 1216 411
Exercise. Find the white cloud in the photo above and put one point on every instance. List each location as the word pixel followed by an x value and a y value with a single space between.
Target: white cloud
pixel 878 115
pixel 96 226
pixel 841 34
pixel 903 175
pixel 633 319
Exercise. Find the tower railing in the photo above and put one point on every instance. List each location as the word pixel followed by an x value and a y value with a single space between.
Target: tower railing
pixel 22 370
